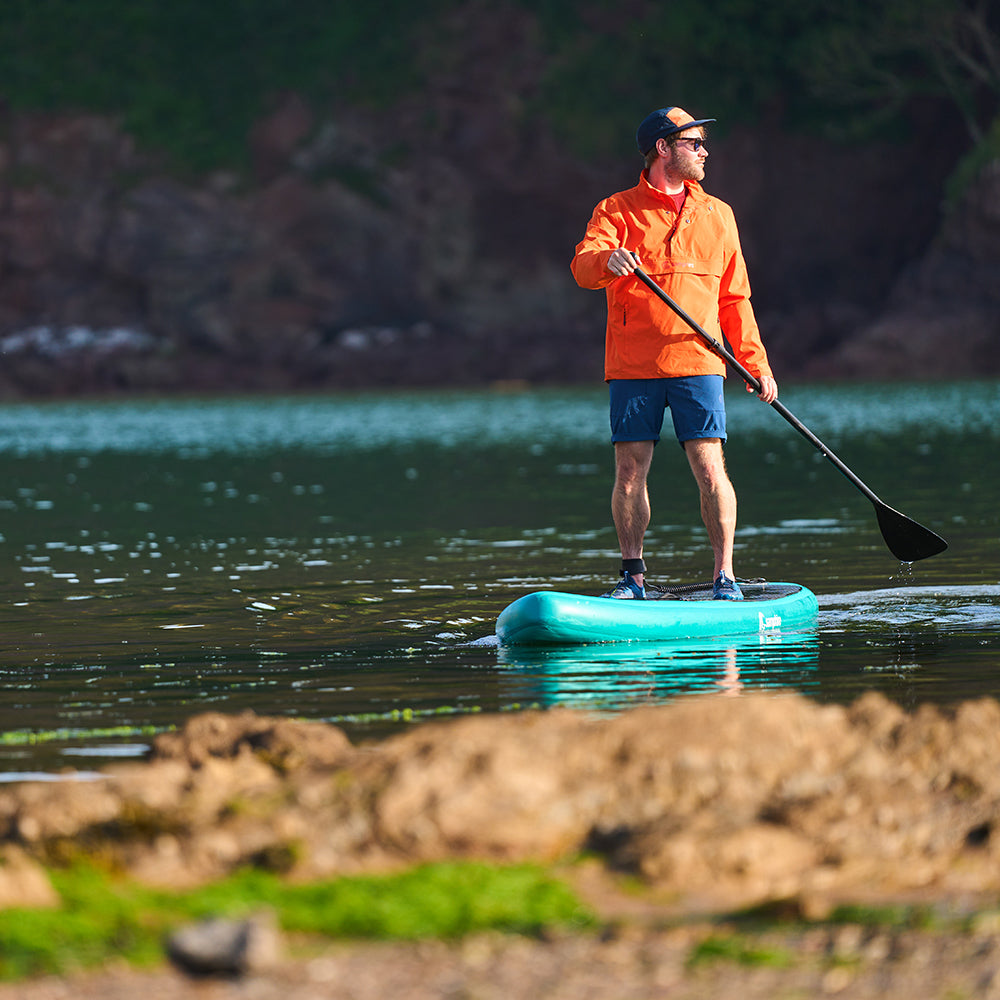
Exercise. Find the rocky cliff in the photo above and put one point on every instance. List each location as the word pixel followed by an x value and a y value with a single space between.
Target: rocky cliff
pixel 942 316
pixel 364 251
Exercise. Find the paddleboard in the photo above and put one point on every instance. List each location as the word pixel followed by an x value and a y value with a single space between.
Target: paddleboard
pixel 688 612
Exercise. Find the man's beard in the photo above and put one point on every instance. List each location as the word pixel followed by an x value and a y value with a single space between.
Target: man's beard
pixel 685 169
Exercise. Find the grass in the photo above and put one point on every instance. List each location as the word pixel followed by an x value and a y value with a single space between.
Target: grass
pixel 739 949
pixel 736 940
pixel 102 917
pixel 900 916
pixel 27 737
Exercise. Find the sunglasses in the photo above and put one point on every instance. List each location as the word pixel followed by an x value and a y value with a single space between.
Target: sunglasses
pixel 696 144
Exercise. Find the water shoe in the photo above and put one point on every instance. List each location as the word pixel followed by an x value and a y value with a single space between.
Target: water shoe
pixel 627 589
pixel 726 589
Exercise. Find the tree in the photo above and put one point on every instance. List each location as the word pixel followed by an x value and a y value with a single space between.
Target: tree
pixel 884 57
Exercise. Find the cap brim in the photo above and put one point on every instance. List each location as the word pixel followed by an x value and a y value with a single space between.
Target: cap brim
pixel 697 124
pixel 674 131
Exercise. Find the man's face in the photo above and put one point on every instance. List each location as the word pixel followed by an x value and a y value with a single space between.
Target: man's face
pixel 688 155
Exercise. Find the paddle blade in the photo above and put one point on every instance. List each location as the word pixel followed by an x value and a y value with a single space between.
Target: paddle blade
pixel 907 540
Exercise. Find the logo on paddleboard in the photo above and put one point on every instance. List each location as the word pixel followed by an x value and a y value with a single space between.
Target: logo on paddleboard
pixel 769 624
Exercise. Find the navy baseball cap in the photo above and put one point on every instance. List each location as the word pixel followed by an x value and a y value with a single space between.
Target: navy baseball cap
pixel 664 122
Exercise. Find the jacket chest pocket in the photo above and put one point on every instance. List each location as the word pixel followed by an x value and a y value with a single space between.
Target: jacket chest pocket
pixel 681 263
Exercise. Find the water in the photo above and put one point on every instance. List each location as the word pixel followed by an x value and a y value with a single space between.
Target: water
pixel 344 558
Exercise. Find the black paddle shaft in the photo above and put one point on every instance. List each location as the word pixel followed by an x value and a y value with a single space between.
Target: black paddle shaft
pixel 906 539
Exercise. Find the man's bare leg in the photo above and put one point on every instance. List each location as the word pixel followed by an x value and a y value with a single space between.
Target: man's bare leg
pixel 718 499
pixel 630 497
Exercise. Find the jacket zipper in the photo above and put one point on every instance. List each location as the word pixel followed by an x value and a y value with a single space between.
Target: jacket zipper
pixel 673 229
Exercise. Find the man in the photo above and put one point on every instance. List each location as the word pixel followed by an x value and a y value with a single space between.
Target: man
pixel 687 241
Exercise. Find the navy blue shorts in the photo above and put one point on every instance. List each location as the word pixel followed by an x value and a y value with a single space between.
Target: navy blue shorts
pixel 695 402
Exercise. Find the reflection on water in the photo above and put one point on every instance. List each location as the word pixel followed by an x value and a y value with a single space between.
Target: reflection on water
pixel 613 676
pixel 345 558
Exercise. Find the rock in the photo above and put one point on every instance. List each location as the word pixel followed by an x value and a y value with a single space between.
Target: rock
pixel 222 947
pixel 276 137
pixel 948 296
pixel 23 882
pixel 284 743
pixel 358 219
pixel 716 803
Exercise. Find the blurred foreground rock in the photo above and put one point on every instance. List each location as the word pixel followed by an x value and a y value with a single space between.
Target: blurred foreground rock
pixel 714 803
pixel 217 947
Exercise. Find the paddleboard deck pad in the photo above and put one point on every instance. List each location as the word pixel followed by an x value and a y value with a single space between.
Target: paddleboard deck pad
pixel 685 612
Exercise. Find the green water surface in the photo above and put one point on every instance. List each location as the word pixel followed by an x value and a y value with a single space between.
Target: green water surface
pixel 344 557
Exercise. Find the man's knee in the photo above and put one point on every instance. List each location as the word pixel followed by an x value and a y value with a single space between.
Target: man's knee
pixel 707 461
pixel 704 451
pixel 632 463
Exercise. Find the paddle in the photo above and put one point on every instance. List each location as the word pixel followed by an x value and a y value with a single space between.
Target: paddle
pixel 907 540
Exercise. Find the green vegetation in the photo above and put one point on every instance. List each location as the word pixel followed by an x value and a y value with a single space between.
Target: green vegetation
pixel 850 69
pixel 739 949
pixel 784 911
pixel 191 77
pixel 985 152
pixel 29 737
pixel 102 917
pixel 900 915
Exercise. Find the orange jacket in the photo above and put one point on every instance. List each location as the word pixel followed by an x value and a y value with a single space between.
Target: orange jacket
pixel 696 259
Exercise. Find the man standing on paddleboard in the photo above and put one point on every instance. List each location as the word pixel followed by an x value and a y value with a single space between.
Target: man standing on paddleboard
pixel 687 242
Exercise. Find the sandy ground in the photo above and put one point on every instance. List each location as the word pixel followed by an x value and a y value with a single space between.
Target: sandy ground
pixel 630 964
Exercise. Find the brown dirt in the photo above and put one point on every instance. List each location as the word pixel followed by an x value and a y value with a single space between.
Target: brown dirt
pixel 628 964
pixel 703 806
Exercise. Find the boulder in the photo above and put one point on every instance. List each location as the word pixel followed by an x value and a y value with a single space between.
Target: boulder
pixel 715 802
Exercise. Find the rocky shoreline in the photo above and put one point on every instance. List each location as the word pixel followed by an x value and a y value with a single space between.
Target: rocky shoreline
pixel 717 804
pixel 329 263
pixel 705 807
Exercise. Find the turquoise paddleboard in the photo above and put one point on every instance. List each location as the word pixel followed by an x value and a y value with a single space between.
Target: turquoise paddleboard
pixel 688 612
